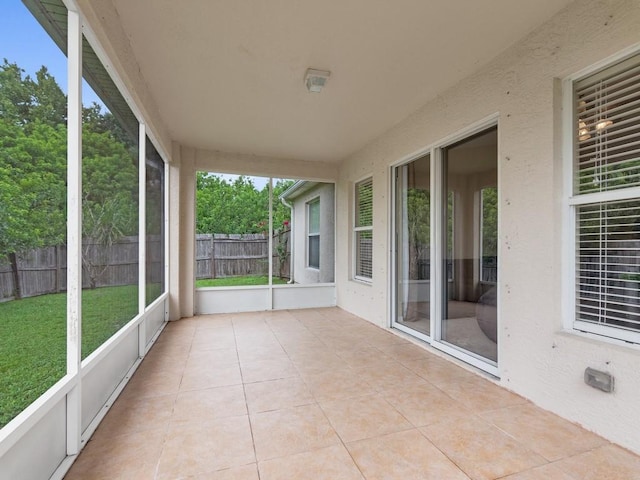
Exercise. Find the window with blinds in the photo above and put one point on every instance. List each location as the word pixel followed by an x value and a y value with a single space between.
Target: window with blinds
pixel 363 229
pixel 607 200
pixel 313 234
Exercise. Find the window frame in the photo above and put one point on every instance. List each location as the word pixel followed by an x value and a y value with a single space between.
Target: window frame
pixel 310 235
pixel 573 200
pixel 359 229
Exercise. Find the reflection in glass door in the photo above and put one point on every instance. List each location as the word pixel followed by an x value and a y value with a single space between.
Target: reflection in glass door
pixel 469 319
pixel 412 224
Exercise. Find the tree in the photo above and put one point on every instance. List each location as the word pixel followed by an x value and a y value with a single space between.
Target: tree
pixel 15 97
pixel 238 206
pixel 490 222
pixel 32 160
pixel 101 224
pixel 281 213
pixel 32 163
pixel 25 101
pixel 49 103
pixel 418 226
pixel 33 138
pixel 32 187
pixel 110 188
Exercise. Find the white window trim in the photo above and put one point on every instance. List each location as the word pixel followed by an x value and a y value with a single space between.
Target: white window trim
pixel 309 234
pixel 602 332
pixel 356 230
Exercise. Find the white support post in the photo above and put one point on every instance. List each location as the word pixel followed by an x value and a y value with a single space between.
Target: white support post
pixel 167 240
pixel 173 257
pixel 142 237
pixel 74 230
pixel 270 243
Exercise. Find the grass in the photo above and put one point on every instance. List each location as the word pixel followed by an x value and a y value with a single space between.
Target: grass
pixel 33 340
pixel 239 281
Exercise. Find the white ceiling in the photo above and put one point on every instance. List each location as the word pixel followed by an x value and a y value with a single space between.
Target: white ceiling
pixel 228 74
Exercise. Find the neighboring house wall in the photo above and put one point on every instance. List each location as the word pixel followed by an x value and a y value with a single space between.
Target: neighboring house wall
pixel 302 273
pixel 540 357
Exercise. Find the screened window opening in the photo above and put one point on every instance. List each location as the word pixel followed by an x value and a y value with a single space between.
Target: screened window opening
pixel 249 226
pixel 110 207
pixel 314 234
pixel 155 248
pixel 232 230
pixel 607 229
pixel 363 229
pixel 33 194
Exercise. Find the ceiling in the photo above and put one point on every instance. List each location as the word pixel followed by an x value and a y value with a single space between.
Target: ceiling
pixel 228 74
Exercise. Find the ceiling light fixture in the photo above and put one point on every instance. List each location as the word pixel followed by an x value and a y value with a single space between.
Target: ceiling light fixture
pixel 315 80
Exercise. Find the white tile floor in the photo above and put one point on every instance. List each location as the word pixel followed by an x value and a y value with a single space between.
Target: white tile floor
pixel 321 394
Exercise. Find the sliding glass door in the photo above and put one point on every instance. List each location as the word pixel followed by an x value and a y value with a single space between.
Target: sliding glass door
pixel 413 244
pixel 445 241
pixel 470 210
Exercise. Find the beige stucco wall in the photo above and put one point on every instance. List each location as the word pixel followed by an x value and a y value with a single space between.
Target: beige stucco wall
pixel 325 274
pixel 536 357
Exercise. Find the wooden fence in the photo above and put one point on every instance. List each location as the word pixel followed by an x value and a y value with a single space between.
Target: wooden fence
pixel 44 270
pixel 220 255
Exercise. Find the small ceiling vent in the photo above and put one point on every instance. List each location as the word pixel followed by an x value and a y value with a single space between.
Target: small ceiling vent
pixel 315 80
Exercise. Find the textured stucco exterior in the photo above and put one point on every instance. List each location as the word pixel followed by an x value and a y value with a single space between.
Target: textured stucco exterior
pixel 539 356
pixel 302 273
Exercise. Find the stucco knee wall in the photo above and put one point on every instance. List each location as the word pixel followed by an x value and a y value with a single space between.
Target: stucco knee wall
pixel 538 358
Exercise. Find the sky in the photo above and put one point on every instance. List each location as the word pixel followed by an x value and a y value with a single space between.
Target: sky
pixel 24 41
pixel 258 182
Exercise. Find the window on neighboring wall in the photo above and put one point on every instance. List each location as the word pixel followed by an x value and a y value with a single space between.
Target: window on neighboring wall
pixel 313 233
pixel 606 200
pixel 363 229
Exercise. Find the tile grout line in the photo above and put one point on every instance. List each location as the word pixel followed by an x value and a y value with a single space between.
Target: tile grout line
pixel 173 407
pixel 246 404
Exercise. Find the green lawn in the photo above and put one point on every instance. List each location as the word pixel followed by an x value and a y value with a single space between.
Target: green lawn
pixel 33 340
pixel 239 281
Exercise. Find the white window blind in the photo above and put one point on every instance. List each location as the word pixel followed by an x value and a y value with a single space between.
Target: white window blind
pixel 608 263
pixel 606 197
pixel 608 146
pixel 363 229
